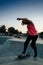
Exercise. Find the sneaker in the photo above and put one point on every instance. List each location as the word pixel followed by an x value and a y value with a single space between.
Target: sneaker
pixel 22 54
pixel 35 55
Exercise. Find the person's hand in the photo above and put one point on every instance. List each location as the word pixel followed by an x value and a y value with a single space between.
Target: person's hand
pixel 18 18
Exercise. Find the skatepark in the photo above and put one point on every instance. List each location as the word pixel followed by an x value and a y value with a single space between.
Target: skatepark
pixel 12 47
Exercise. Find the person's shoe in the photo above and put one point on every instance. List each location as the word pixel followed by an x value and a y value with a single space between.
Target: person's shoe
pixel 23 54
pixel 35 55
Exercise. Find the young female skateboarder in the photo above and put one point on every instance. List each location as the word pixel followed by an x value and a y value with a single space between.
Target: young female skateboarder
pixel 32 35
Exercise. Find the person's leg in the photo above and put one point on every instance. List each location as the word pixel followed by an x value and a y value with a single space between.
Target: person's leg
pixel 26 44
pixel 33 45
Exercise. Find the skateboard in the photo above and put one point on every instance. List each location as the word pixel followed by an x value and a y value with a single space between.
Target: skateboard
pixel 23 56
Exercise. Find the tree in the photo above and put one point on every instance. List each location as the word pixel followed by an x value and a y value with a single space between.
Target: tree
pixel 0 29
pixel 41 34
pixel 3 29
pixel 11 30
pixel 16 31
pixel 20 32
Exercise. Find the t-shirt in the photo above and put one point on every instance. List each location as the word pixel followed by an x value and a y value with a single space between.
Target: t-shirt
pixel 32 30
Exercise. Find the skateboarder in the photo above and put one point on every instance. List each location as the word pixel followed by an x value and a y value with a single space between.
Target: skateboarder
pixel 32 35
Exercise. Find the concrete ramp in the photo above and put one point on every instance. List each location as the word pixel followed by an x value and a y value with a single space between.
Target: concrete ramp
pixel 3 39
pixel 14 61
pixel 14 47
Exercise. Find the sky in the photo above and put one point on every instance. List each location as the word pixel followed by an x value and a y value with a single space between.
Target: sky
pixel 10 10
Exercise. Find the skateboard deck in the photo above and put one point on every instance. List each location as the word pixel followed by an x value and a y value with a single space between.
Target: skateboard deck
pixel 23 56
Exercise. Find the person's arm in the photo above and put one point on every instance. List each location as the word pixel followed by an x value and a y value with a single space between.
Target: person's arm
pixel 21 18
pixel 25 21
